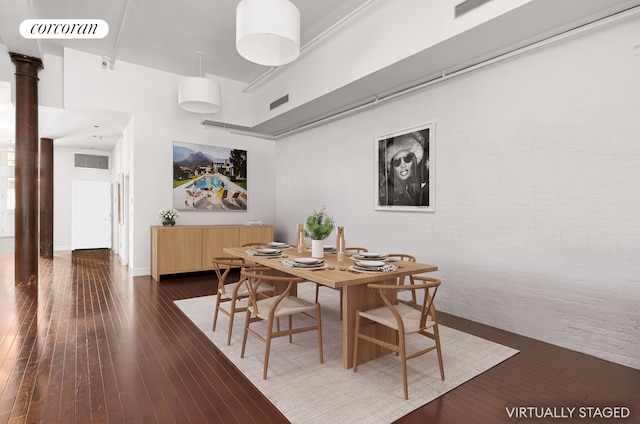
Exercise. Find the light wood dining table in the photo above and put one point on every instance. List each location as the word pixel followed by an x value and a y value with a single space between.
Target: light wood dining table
pixel 356 295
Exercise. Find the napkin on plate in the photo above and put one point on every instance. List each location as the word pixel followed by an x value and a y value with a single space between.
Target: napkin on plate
pixel 384 268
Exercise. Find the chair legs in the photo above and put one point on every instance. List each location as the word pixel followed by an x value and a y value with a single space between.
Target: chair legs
pixel 267 347
pixel 319 324
pixel 403 365
pixel 400 350
pixel 436 336
pixel 270 335
pixel 215 313
pixel 355 344
pixel 245 333
pixel 231 314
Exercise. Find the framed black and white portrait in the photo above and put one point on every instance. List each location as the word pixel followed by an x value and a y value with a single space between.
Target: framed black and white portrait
pixel 405 170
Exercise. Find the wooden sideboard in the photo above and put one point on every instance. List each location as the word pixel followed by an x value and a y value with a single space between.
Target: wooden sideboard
pixel 189 248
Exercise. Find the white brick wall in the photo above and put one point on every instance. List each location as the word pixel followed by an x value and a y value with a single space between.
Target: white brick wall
pixel 537 223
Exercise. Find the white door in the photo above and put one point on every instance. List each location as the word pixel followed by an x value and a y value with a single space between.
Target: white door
pixel 90 215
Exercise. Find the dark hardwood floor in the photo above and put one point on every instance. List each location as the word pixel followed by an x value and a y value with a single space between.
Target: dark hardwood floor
pixel 100 346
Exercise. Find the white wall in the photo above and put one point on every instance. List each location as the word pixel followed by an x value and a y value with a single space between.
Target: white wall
pixel 157 121
pixel 537 222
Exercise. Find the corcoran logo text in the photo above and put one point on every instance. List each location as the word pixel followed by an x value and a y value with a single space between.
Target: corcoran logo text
pixel 64 28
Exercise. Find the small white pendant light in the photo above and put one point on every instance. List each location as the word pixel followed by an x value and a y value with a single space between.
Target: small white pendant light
pixel 199 94
pixel 268 31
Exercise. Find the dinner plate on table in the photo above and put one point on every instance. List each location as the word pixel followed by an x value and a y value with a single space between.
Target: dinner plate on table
pixel 370 255
pixel 364 269
pixel 265 251
pixel 277 244
pixel 308 262
pixel 318 265
pixel 370 264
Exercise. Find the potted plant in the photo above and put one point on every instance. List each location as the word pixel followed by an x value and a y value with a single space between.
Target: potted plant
pixel 319 226
pixel 168 216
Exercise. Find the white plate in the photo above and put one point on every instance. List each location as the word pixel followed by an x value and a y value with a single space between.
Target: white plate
pixel 308 261
pixel 316 265
pixel 265 251
pixel 277 244
pixel 371 255
pixel 370 264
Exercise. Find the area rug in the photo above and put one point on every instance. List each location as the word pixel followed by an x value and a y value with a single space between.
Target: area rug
pixel 306 391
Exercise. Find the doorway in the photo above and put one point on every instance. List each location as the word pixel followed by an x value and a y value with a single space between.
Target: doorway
pixel 90 215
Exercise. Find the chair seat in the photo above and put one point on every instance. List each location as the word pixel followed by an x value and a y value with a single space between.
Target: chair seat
pixel 243 291
pixel 289 305
pixel 410 317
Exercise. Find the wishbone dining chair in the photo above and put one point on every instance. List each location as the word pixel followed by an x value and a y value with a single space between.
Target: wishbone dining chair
pixel 272 308
pixel 405 320
pixel 232 293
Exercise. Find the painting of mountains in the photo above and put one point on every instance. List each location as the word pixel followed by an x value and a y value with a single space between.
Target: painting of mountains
pixel 209 178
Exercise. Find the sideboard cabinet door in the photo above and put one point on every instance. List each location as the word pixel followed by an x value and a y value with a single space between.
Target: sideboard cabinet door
pixel 214 239
pixel 179 249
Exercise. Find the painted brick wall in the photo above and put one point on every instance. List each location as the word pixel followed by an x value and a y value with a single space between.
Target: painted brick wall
pixel 537 222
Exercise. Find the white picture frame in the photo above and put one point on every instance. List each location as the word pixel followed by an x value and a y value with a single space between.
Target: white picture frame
pixel 405 170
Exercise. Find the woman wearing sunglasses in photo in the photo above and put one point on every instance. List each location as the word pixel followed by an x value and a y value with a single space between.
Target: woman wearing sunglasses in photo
pixel 406 176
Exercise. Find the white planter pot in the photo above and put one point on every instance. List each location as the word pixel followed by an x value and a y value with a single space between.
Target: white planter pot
pixel 317 248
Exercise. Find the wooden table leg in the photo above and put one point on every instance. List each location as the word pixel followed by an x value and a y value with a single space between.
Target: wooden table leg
pixel 360 297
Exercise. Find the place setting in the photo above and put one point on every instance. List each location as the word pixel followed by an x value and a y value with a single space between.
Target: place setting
pixel 268 252
pixel 278 245
pixel 311 264
pixel 374 256
pixel 371 262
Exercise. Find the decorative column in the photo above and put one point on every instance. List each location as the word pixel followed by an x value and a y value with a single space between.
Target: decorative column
pixel 26 232
pixel 46 197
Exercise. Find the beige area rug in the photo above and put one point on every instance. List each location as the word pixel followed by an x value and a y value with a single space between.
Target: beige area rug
pixel 309 392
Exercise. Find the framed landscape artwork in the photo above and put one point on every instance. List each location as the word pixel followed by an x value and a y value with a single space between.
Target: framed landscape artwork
pixel 404 170
pixel 209 178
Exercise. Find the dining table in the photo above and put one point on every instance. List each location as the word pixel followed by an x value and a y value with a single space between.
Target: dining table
pixel 353 282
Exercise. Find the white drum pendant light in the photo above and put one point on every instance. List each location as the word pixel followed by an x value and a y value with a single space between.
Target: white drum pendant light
pixel 199 94
pixel 268 31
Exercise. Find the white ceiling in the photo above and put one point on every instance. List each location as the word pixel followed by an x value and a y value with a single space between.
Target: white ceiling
pixel 165 34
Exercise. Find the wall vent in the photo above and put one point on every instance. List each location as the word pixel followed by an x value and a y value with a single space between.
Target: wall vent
pixel 282 100
pixel 91 161
pixel 468 6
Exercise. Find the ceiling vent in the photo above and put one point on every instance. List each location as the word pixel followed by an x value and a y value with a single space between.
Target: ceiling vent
pixel 468 6
pixel 91 161
pixel 282 100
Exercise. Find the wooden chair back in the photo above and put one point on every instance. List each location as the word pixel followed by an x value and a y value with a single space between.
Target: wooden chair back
pixel 222 266
pixel 429 287
pixel 254 277
pixel 402 280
